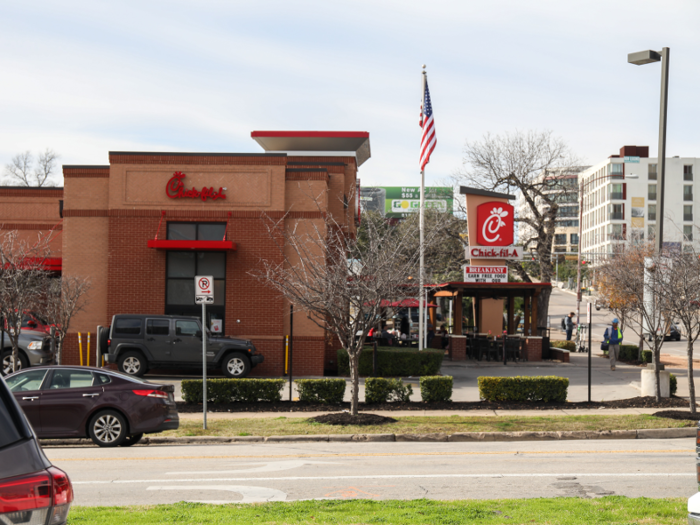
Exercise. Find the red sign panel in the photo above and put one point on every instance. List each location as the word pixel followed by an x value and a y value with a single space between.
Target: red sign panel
pixel 495 224
pixel 175 189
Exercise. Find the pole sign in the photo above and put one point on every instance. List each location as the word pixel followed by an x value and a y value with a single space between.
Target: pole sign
pixel 514 253
pixel 485 274
pixel 588 315
pixel 495 224
pixel 204 289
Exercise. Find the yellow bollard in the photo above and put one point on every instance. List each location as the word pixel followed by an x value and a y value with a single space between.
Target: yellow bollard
pixel 87 355
pixel 80 348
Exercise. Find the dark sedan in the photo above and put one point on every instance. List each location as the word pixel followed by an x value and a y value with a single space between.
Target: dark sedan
pixel 111 408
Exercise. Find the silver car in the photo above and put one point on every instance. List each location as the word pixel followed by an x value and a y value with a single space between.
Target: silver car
pixel 34 350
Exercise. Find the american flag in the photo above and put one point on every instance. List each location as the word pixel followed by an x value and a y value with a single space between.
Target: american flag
pixel 427 140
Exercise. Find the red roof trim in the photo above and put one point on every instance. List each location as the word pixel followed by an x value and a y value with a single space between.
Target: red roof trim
pixel 324 134
pixel 192 245
pixel 488 285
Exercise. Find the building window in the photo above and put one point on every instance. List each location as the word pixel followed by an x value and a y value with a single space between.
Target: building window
pixel 616 192
pixel 688 233
pixel 560 238
pixel 196 231
pixel 574 238
pixel 687 213
pixel 652 192
pixel 651 231
pixel 652 212
pixel 567 211
pixel 687 248
pixel 615 169
pixel 687 193
pixel 615 212
pixel 615 232
pixel 688 172
pixel 652 171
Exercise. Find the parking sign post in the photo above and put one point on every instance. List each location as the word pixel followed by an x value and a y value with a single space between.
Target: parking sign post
pixel 204 294
pixel 589 320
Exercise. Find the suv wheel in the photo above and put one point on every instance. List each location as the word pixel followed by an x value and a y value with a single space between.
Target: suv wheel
pixel 235 365
pixel 7 362
pixel 133 363
pixel 108 429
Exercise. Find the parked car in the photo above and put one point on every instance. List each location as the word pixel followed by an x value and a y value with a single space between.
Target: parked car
pixel 33 321
pixel 673 333
pixel 110 408
pixel 34 350
pixel 32 490
pixel 139 342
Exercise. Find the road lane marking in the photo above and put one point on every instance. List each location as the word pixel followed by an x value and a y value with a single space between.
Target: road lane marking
pixel 250 494
pixel 274 466
pixel 384 454
pixel 394 476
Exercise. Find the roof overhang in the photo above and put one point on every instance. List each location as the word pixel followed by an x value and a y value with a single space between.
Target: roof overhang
pixel 308 142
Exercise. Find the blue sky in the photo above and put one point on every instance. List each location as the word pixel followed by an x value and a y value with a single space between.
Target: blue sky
pixel 84 78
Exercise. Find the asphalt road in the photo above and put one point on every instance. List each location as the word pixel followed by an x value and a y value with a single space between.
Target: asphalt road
pixel 297 471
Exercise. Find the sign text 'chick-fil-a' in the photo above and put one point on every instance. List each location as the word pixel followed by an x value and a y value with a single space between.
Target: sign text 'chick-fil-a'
pixel 175 189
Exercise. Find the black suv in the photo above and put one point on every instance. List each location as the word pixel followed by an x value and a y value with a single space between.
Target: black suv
pixel 139 342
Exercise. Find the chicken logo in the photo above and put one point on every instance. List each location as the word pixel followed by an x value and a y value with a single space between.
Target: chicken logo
pixel 495 224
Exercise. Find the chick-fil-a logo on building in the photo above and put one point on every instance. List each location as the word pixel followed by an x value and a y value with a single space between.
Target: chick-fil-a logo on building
pixel 494 222
pixel 175 189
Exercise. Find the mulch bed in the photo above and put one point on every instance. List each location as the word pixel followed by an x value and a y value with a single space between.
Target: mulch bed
pixel 678 414
pixel 298 406
pixel 346 418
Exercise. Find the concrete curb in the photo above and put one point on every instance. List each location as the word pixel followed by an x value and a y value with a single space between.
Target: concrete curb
pixel 657 433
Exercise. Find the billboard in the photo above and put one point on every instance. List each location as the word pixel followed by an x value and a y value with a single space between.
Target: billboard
pixel 395 202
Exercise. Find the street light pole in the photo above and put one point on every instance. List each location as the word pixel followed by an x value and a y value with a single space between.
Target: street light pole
pixel 639 59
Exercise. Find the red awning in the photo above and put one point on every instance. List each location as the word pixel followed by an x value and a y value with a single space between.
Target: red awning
pixel 410 303
pixel 202 246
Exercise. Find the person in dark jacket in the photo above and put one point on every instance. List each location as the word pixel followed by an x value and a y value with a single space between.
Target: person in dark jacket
pixel 569 326
pixel 613 336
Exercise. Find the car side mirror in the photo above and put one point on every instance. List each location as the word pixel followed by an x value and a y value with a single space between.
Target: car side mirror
pixel 199 334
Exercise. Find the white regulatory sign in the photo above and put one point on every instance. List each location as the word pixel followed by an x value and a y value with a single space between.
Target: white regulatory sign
pixel 485 274
pixel 204 289
pixel 588 314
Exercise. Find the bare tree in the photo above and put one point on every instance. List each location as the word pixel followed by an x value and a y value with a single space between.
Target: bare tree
pixel 340 279
pixel 21 170
pixel 680 299
pixel 22 281
pixel 633 280
pixel 532 163
pixel 65 297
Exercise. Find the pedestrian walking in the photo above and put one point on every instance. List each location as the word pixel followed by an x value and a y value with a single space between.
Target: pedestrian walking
pixel 613 336
pixel 569 326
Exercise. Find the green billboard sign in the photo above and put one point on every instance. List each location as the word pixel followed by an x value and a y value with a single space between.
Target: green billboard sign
pixel 396 202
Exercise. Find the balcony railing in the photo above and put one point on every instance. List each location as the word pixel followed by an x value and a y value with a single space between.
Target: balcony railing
pixel 652 196
pixel 616 195
pixel 616 216
pixel 687 216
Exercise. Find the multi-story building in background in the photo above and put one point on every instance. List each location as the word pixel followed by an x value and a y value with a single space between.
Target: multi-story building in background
pixel 620 202
pixel 562 186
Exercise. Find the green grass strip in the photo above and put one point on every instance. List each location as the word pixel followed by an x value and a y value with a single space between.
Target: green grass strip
pixel 561 511
pixel 283 426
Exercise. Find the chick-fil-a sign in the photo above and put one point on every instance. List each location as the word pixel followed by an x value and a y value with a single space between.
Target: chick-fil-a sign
pixel 175 189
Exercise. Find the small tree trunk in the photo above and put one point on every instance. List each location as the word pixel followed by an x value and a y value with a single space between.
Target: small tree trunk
pixel 641 346
pixel 355 380
pixel 691 379
pixel 59 350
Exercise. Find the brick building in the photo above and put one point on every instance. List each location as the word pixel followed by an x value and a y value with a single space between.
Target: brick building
pixel 135 228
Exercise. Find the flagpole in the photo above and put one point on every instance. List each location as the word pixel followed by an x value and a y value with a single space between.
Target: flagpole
pixel 421 278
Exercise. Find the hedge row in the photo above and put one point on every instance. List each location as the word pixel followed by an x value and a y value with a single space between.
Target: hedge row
pixel 673 384
pixel 436 388
pixel 382 390
pixel 233 390
pixel 323 391
pixel 519 388
pixel 394 362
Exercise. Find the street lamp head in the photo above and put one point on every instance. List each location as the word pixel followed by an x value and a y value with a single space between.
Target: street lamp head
pixel 643 57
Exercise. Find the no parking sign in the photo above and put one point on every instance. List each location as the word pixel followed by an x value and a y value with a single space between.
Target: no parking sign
pixel 204 289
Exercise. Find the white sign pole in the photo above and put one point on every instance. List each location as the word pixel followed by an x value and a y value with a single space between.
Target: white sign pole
pixel 204 293
pixel 204 362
